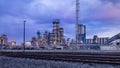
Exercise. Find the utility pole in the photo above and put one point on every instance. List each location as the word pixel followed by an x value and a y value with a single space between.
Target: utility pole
pixel 24 35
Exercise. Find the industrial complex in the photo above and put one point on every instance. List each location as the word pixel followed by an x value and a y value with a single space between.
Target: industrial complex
pixel 56 38
pixel 52 44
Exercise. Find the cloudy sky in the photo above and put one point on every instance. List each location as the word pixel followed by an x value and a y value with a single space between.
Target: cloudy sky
pixel 101 17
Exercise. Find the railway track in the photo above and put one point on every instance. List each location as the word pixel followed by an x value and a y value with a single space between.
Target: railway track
pixel 88 57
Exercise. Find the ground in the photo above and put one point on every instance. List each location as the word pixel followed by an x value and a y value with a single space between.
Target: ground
pixel 9 62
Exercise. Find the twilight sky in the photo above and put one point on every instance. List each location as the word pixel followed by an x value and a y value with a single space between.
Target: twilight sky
pixel 101 17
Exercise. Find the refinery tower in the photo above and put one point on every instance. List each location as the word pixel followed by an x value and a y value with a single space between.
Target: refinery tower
pixel 80 28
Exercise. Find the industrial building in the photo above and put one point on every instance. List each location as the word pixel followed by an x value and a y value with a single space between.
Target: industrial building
pixel 39 38
pixel 13 43
pixel 46 38
pixel 97 40
pixel 57 35
pixel 89 41
pixel 3 39
pixel 103 40
pixel 34 41
pixel 81 34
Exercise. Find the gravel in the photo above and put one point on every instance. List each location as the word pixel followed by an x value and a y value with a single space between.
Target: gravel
pixel 9 62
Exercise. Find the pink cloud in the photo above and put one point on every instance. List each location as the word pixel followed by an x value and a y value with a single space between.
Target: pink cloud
pixel 106 12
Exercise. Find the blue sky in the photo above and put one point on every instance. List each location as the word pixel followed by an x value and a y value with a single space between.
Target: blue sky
pixel 101 17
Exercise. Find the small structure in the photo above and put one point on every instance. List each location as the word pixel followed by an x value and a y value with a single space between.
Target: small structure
pixel 3 41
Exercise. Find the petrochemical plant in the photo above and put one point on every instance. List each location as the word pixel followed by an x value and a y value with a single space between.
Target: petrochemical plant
pixel 57 40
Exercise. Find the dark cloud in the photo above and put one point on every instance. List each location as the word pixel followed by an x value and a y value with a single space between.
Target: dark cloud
pixel 39 15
